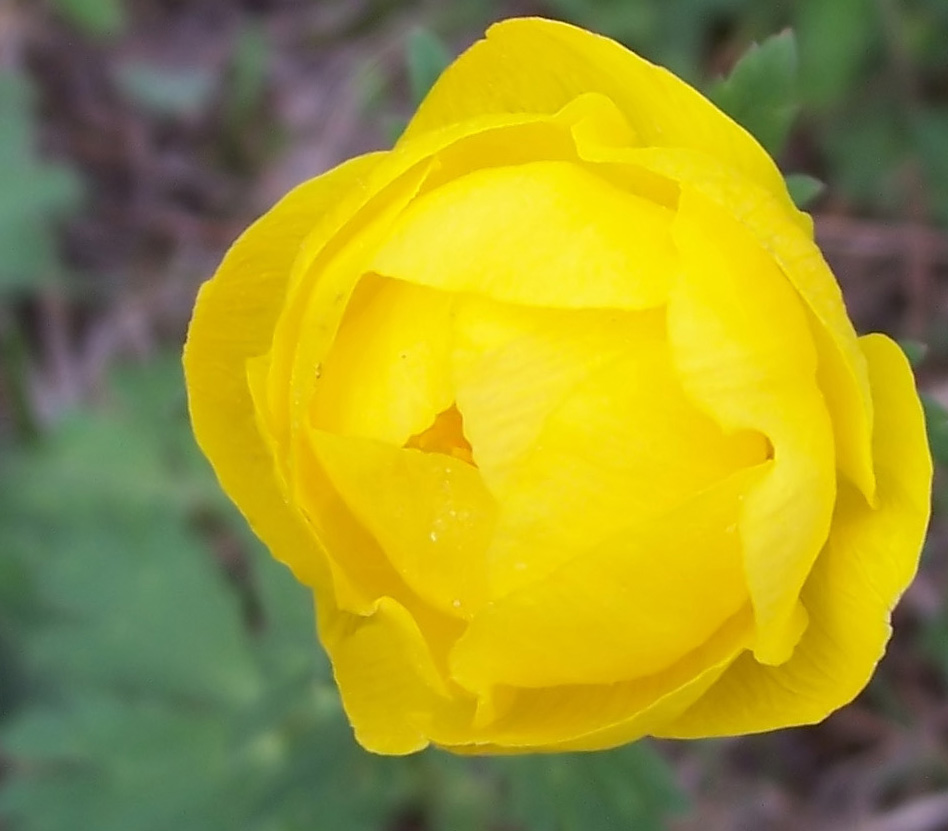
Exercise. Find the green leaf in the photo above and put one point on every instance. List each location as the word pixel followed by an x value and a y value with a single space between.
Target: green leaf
pixel 17 589
pixel 631 787
pixel 165 623
pixel 248 73
pixel 839 41
pixel 914 350
pixel 108 754
pixel 133 598
pixel 324 774
pixel 165 91
pixel 930 134
pixel 97 18
pixel 936 420
pixel 866 150
pixel 53 802
pixel 627 22
pixel 934 643
pixel 286 642
pixel 804 189
pixel 427 57
pixel 459 793
pixel 34 194
pixel 761 91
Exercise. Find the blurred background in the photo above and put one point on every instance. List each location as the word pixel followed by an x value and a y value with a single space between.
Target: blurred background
pixel 157 670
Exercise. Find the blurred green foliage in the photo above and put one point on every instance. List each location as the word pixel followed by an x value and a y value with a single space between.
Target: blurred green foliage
pixel 426 57
pixel 161 671
pixel 157 669
pixel 35 193
pixel 248 73
pixel 937 419
pixel 761 91
pixel 163 91
pixel 94 18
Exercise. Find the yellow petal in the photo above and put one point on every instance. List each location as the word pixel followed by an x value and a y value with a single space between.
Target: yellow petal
pixel 361 573
pixel 513 365
pixel 870 558
pixel 743 350
pixel 594 717
pixel 537 66
pixel 511 139
pixel 786 234
pixel 391 689
pixel 842 371
pixel 629 607
pixel 233 321
pixel 311 317
pixel 545 233
pixel 388 372
pixel 430 513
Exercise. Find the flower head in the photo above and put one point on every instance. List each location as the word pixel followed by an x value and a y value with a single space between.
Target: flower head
pixel 557 408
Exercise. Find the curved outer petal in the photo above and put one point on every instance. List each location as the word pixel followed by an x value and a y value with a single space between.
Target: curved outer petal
pixel 842 371
pixel 544 233
pixel 396 698
pixel 595 717
pixel 233 321
pixel 531 65
pixel 744 353
pixel 869 560
pixel 391 688
pixel 630 607
pixel 843 376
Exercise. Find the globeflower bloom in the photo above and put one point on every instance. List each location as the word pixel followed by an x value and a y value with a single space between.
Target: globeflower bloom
pixel 557 409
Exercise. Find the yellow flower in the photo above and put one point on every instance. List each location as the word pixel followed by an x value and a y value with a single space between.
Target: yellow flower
pixel 557 408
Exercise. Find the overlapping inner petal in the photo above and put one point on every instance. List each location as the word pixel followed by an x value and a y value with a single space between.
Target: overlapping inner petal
pixel 743 350
pixel 545 233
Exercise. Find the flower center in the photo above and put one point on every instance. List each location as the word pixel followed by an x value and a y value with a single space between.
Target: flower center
pixel 445 435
